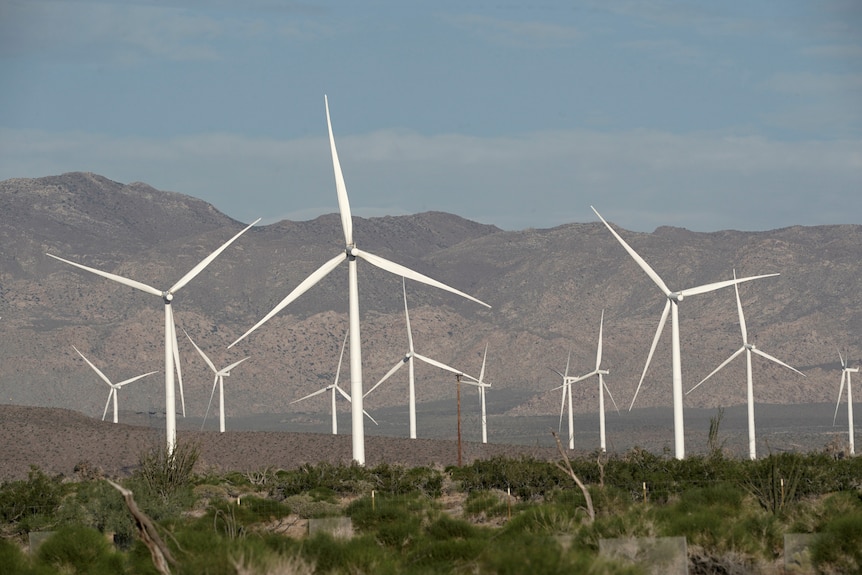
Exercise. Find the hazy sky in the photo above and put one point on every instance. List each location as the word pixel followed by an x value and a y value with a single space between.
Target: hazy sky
pixel 701 114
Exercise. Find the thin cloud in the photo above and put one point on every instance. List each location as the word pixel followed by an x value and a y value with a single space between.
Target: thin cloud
pixel 515 32
pixel 543 179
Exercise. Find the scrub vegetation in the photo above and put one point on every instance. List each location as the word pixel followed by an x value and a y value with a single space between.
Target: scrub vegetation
pixel 501 515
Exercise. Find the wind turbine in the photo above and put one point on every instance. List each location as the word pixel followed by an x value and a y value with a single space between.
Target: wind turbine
pixel 220 374
pixel 602 386
pixel 567 392
pixel 480 383
pixel 351 253
pixel 408 359
pixel 672 307
pixel 845 374
pixel 171 350
pixel 748 348
pixel 115 387
pixel 334 387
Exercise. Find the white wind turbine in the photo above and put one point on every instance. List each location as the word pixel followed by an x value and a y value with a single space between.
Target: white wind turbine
pixel 334 387
pixel 115 387
pixel 748 348
pixel 171 350
pixel 672 307
pixel 408 359
pixel 220 374
pixel 845 374
pixel 602 386
pixel 567 394
pixel 480 383
pixel 351 253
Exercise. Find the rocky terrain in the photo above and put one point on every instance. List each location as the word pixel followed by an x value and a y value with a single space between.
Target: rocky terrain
pixel 547 287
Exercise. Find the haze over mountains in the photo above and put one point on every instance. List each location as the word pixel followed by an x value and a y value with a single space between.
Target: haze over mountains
pixel 547 288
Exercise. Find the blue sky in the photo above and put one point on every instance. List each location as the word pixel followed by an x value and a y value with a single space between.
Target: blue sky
pixel 705 115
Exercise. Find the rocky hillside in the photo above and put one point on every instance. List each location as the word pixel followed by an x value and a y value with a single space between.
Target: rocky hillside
pixel 547 287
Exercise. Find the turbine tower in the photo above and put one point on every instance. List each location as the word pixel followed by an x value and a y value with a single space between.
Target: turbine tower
pixel 748 348
pixel 845 374
pixel 334 387
pixel 220 374
pixel 671 306
pixel 115 387
pixel 351 253
pixel 408 359
pixel 171 350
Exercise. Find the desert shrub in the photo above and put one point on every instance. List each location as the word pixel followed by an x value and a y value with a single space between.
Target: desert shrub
pixel 358 555
pixel 448 545
pixel 307 507
pixel 399 480
pixel 486 503
pixel 342 479
pixel 78 549
pixel 31 505
pixel 164 472
pixel 838 549
pixel 98 505
pixel 527 478
pixel 13 560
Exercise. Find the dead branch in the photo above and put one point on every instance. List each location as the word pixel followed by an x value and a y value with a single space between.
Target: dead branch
pixel 569 471
pixel 147 531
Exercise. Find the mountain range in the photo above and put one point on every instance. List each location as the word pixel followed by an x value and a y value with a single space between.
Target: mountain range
pixel 547 289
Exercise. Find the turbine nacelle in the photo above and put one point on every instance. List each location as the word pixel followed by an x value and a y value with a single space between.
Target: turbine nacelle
pixel 749 346
pixel 167 296
pixel 676 296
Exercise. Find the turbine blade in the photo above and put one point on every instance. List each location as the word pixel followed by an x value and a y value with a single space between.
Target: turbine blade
pixel 201 353
pixel 562 408
pixel 318 392
pixel 96 369
pixel 209 403
pixel 776 360
pixel 442 365
pixel 176 351
pixel 119 279
pixel 841 357
pixel 718 285
pixel 739 310
pixel 661 323
pixel 389 373
pixel 639 260
pixel 368 415
pixel 605 385
pixel 599 349
pixel 341 357
pixel 400 270
pixel 304 286
pixel 226 371
pixel 207 261
pixel 340 187
pixel 133 379
pixel 407 316
pixel 568 360
pixel 840 391
pixel 733 356
pixel 107 403
pixel 558 373
pixel 482 371
pixel 344 394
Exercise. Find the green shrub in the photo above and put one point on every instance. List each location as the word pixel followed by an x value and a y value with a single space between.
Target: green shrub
pixel 77 549
pixel 32 504
pixel 164 471
pixel 838 549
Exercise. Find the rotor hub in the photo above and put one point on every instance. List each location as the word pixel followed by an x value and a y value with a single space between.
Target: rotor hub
pixel 168 297
pixel 676 296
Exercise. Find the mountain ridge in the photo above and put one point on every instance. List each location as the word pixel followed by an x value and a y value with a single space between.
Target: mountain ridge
pixel 547 288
